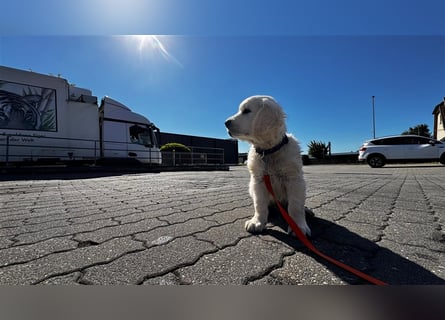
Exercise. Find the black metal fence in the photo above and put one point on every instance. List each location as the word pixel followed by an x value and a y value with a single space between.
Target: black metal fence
pixel 197 156
pixel 15 148
pixel 34 148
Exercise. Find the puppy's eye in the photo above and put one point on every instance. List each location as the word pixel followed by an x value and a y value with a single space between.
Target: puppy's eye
pixel 245 111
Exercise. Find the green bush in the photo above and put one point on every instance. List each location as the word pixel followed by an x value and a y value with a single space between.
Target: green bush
pixel 177 147
pixel 317 149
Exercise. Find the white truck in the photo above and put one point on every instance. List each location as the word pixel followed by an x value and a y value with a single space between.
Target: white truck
pixel 44 118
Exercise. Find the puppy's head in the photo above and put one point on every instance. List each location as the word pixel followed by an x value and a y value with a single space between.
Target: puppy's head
pixel 260 121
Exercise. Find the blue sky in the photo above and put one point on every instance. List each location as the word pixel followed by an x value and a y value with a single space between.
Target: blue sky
pixel 321 61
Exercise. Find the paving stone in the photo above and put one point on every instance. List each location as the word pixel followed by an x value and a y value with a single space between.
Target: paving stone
pixel 174 231
pixel 378 204
pixel 121 230
pixel 329 212
pixel 413 216
pixel 249 259
pixel 416 234
pixel 118 212
pixel 179 217
pixel 224 235
pixel 363 229
pixel 232 215
pixel 21 254
pixel 168 279
pixel 137 267
pixel 376 218
pixel 67 262
pixel 340 235
pixel 30 228
pixel 301 269
pixel 5 243
pixel 69 279
pixel 32 237
pixel 399 264
pixel 141 215
pixel 412 205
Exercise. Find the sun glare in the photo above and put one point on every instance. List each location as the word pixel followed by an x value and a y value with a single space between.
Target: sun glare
pixel 153 45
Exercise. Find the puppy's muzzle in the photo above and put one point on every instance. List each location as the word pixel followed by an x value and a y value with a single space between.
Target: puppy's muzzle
pixel 228 123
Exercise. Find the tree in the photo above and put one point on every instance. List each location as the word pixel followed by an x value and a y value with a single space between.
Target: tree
pixel 420 130
pixel 317 149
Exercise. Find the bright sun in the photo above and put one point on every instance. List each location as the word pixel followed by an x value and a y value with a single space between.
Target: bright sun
pixel 149 44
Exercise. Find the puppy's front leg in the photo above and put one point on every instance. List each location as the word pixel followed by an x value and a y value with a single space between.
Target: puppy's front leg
pixel 260 199
pixel 298 213
pixel 296 198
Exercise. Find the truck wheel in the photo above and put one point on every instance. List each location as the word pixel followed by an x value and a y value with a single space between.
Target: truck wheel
pixel 376 161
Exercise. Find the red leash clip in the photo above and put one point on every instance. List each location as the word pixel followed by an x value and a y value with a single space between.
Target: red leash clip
pixel 302 237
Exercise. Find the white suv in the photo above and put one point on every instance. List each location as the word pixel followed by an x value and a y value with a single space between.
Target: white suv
pixel 378 152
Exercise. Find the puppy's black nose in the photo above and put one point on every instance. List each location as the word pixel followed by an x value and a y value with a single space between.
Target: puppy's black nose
pixel 228 123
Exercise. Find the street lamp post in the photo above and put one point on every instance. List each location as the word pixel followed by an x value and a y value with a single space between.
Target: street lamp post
pixel 373 117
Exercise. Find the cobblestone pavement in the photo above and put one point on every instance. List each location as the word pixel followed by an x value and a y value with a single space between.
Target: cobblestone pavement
pixel 187 228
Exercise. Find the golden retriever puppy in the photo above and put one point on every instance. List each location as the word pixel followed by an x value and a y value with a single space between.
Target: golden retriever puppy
pixel 261 122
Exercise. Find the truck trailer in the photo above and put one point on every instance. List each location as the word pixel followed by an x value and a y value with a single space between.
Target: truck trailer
pixel 44 118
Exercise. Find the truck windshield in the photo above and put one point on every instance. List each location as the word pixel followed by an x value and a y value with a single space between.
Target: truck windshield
pixel 141 135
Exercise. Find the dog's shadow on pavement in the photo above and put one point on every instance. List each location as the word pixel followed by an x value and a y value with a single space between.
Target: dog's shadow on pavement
pixel 354 250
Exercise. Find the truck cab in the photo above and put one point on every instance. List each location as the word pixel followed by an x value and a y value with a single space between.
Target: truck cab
pixel 125 134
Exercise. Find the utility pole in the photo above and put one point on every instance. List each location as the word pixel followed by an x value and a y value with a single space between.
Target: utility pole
pixel 373 117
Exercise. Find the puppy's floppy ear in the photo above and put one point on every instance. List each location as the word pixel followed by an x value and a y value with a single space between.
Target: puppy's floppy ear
pixel 270 119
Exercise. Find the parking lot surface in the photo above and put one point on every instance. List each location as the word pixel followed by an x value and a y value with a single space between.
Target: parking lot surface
pixel 188 228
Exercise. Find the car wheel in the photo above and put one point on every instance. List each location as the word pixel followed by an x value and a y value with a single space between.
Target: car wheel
pixel 442 158
pixel 376 161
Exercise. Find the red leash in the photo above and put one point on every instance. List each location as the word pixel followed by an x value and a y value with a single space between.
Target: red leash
pixel 302 237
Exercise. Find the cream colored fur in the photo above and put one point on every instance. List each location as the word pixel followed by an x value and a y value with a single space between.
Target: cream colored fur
pixel 261 122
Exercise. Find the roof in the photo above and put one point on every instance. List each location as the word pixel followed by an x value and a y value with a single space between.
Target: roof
pixel 440 107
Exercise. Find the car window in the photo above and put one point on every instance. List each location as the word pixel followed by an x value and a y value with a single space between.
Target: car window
pixel 385 141
pixel 403 140
pixel 377 142
pixel 410 140
pixel 424 140
pixel 395 141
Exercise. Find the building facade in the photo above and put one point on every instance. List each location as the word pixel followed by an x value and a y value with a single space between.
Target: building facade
pixel 439 121
pixel 223 151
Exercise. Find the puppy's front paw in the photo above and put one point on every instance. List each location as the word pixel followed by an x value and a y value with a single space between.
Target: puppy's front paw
pixel 305 229
pixel 254 225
